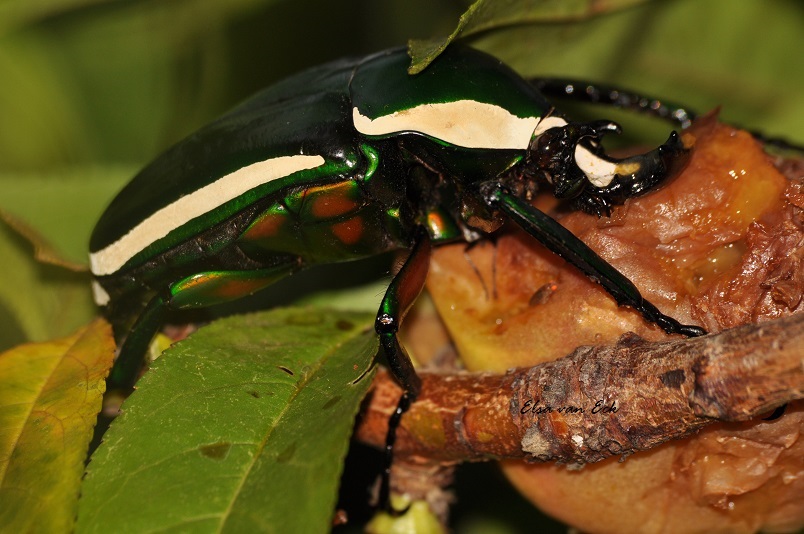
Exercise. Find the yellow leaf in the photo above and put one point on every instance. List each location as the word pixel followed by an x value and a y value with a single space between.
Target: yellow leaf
pixel 50 395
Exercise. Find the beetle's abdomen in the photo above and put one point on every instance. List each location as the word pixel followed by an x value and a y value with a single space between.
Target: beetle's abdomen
pixel 323 224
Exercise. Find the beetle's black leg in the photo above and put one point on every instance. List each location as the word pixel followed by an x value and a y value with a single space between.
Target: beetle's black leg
pixel 130 359
pixel 398 299
pixel 562 242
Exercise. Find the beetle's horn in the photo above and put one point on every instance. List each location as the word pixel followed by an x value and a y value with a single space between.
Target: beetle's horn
pixel 574 163
pixel 646 171
pixel 613 181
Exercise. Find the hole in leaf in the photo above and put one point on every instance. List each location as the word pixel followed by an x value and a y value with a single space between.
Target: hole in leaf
pixel 344 325
pixel 215 451
pixel 286 455
pixel 331 402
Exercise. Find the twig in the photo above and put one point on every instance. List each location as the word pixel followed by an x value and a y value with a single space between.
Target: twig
pixel 598 401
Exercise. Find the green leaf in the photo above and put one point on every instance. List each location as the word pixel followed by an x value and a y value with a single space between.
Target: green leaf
pixel 484 15
pixel 63 205
pixel 702 53
pixel 242 427
pixel 365 297
pixel 50 395
pixel 18 13
pixel 43 251
pixel 64 102
pixel 40 301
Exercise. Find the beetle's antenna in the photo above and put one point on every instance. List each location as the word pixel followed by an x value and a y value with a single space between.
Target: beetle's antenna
pixel 594 93
pixel 673 112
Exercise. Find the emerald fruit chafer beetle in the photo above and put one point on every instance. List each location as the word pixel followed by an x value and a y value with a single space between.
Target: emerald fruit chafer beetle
pixel 349 160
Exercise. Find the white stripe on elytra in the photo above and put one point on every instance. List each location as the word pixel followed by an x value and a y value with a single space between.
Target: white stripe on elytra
pixel 473 124
pixel 463 123
pixel 195 204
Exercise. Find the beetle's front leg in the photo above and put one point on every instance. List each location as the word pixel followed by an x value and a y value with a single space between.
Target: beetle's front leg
pixel 561 241
pixel 399 297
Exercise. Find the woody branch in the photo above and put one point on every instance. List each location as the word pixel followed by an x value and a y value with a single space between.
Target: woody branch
pixel 598 401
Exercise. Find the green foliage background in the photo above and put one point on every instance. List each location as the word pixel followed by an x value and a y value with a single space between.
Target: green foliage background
pixel 90 90
pixel 93 89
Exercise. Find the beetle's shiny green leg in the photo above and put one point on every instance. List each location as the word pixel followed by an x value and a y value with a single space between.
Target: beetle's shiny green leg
pixel 562 242
pixel 130 359
pixel 398 299
pixel 196 291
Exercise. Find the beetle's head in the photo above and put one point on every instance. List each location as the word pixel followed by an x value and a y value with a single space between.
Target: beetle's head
pixel 574 163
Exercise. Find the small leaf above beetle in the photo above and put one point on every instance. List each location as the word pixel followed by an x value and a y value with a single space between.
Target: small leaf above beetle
pixel 486 15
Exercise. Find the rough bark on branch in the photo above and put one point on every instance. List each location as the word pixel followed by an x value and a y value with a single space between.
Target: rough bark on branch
pixel 598 401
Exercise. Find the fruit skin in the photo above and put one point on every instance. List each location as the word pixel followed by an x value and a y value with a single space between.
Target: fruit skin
pixel 717 246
